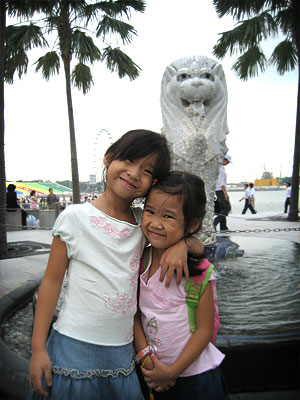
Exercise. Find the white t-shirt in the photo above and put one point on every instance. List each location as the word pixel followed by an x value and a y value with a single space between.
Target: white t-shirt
pixel 247 194
pixel 101 295
pixel 252 192
pixel 288 192
pixel 222 179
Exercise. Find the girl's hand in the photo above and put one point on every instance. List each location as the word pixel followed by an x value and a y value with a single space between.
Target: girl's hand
pixel 40 365
pixel 160 376
pixel 161 388
pixel 174 259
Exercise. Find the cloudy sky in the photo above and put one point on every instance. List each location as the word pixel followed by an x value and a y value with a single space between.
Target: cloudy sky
pixel 261 111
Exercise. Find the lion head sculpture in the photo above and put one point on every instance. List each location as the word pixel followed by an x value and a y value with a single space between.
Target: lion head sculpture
pixel 194 112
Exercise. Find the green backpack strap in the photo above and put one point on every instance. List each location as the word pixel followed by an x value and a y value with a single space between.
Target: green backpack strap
pixel 194 291
pixel 144 260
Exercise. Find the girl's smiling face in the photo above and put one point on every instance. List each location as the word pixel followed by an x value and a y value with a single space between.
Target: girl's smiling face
pixel 163 219
pixel 130 179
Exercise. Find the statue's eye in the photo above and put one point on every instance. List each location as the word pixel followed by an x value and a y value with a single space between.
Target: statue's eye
pixel 207 75
pixel 183 77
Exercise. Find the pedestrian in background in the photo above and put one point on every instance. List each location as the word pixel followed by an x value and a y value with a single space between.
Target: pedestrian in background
pixel 51 199
pixel 247 198
pixel 287 197
pixel 222 196
pixel 252 195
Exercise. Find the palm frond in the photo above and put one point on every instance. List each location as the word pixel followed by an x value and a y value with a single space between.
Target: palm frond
pixel 25 37
pixel 82 78
pixel 249 63
pixel 286 19
pixel 118 61
pixel 284 57
pixel 238 9
pixel 115 8
pixel 27 8
pixel 110 25
pixel 49 64
pixel 245 35
pixel 84 48
pixel 17 61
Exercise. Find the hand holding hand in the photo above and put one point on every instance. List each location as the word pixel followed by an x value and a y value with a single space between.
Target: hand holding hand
pixel 160 376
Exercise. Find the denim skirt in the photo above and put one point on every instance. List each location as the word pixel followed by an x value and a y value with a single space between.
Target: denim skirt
pixel 87 371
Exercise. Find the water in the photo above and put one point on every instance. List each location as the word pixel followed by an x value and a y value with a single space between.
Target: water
pixel 265 201
pixel 258 294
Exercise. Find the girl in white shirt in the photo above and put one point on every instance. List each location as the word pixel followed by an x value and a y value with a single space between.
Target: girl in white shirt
pixel 89 353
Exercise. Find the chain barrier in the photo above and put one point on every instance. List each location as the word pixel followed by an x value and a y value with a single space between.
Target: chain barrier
pixel 256 230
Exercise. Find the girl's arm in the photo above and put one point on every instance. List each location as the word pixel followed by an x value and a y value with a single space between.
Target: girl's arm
pixel 162 374
pixel 175 259
pixel 47 299
pixel 140 341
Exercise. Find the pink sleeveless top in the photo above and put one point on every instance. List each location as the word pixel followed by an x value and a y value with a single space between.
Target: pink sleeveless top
pixel 166 325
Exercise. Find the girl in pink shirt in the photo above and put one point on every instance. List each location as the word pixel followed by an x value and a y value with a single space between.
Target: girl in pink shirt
pixel 186 365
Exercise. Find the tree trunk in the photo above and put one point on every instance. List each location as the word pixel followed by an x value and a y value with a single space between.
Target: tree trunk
pixel 294 205
pixel 3 238
pixel 74 163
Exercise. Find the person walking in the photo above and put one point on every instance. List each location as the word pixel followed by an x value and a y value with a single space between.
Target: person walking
pixel 222 196
pixel 252 195
pixel 287 197
pixel 247 198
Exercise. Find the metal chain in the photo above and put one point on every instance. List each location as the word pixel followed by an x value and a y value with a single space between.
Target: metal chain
pixel 266 230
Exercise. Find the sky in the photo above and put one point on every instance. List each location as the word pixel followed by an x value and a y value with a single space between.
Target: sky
pixel 261 111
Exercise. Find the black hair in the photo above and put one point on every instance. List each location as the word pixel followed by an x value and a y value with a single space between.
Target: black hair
pixel 288 183
pixel 50 189
pixel 246 184
pixel 251 185
pixel 140 143
pixel 32 193
pixel 192 190
pixel 11 187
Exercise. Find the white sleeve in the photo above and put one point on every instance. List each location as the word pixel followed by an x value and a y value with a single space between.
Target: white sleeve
pixel 66 227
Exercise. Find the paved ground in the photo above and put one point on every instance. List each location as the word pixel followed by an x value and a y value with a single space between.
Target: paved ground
pixel 15 272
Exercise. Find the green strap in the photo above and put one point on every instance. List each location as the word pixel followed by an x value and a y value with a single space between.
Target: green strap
pixel 194 291
pixel 145 260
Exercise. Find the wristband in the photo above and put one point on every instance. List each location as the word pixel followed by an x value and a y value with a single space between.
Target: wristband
pixel 147 351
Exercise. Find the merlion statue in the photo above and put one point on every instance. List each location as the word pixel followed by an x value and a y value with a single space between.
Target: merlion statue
pixel 194 112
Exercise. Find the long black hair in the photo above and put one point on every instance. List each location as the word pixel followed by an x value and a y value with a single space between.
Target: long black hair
pixel 192 190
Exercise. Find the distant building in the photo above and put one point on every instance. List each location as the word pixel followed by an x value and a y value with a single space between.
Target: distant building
pixel 266 182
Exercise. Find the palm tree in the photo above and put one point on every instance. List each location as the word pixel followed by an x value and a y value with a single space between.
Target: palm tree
pixel 3 240
pixel 24 8
pixel 71 21
pixel 259 20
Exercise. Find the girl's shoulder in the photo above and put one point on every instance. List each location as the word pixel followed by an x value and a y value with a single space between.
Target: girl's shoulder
pixel 204 267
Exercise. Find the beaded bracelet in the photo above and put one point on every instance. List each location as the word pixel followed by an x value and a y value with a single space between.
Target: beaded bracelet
pixel 147 351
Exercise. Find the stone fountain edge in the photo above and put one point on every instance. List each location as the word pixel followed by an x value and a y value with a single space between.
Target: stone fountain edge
pixel 14 380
